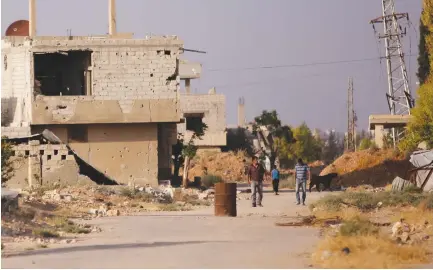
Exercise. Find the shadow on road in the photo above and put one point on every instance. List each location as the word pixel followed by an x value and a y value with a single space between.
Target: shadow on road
pixel 108 247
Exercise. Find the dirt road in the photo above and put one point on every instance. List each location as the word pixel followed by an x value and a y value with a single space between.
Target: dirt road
pixel 194 239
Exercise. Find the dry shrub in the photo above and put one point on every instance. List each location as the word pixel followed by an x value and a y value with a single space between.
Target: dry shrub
pixel 357 226
pixel 210 180
pixel 367 201
pixel 368 251
pixel 172 207
pixel 288 183
pixel 228 165
pixel 46 233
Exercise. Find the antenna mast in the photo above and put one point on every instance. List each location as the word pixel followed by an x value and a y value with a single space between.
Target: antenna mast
pixel 399 97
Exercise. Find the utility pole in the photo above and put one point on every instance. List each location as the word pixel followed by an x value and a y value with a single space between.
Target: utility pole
pixel 351 119
pixel 399 97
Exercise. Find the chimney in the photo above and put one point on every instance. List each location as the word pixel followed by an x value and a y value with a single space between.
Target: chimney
pixel 241 112
pixel 112 17
pixel 32 18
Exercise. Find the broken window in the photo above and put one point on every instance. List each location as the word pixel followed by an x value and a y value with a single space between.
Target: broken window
pixel 77 133
pixel 63 73
pixel 194 121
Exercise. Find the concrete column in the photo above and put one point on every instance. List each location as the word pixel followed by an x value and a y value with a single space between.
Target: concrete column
pixel 112 17
pixel 241 115
pixel 188 86
pixel 379 133
pixel 32 18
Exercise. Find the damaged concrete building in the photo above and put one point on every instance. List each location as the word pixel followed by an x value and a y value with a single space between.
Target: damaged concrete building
pixel 114 100
pixel 202 108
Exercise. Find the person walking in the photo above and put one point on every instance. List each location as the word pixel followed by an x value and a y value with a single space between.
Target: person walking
pixel 255 179
pixel 302 173
pixel 275 179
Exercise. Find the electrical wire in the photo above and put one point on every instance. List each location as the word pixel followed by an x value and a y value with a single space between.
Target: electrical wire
pixel 297 65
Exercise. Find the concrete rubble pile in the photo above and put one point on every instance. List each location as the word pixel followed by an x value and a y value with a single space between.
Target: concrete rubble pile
pixel 406 233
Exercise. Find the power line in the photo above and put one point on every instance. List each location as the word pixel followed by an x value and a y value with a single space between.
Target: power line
pixel 300 65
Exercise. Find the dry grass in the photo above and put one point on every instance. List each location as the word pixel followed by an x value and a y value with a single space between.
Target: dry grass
pixel 172 207
pixel 369 247
pixel 65 225
pixel 288 183
pixel 367 201
pixel 368 251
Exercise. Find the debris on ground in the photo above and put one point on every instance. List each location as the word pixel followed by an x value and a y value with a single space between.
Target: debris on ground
pixel 43 214
pixel 309 221
pixel 399 184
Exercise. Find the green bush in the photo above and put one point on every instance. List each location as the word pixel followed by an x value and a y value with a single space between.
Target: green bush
pixel 362 200
pixel 6 154
pixel 210 180
pixel 365 144
pixel 46 233
pixel 366 201
pixel 328 203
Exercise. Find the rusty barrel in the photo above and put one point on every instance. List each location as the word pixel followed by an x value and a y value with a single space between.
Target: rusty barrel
pixel 225 199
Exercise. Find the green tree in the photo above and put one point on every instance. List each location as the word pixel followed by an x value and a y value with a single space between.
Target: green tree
pixel 7 166
pixel 277 135
pixel 420 127
pixel 184 152
pixel 330 149
pixel 306 146
pixel 365 144
pixel 423 58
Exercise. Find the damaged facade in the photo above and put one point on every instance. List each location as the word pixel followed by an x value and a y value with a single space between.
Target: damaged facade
pixel 114 101
pixel 209 109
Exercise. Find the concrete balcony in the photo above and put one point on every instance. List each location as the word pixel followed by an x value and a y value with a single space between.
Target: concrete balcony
pixel 189 70
pixel 48 110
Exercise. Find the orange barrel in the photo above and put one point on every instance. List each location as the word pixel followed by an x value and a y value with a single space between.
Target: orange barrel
pixel 225 199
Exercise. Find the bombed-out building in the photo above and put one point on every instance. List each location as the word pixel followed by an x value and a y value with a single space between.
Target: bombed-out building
pixel 113 101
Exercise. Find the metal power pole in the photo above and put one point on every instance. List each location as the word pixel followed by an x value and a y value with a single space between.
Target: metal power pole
pixel 399 97
pixel 351 119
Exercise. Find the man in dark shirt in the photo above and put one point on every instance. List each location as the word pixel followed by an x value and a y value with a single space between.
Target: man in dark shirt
pixel 255 179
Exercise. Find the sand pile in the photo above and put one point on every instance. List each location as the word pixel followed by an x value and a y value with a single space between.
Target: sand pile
pixel 376 168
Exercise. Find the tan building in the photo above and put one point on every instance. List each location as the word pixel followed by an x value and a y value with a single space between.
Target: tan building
pixel 207 108
pixel 113 99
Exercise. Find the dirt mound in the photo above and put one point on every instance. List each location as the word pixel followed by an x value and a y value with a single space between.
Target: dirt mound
pixel 375 168
pixel 228 165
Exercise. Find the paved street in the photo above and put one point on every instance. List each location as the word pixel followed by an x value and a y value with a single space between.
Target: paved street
pixel 194 239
